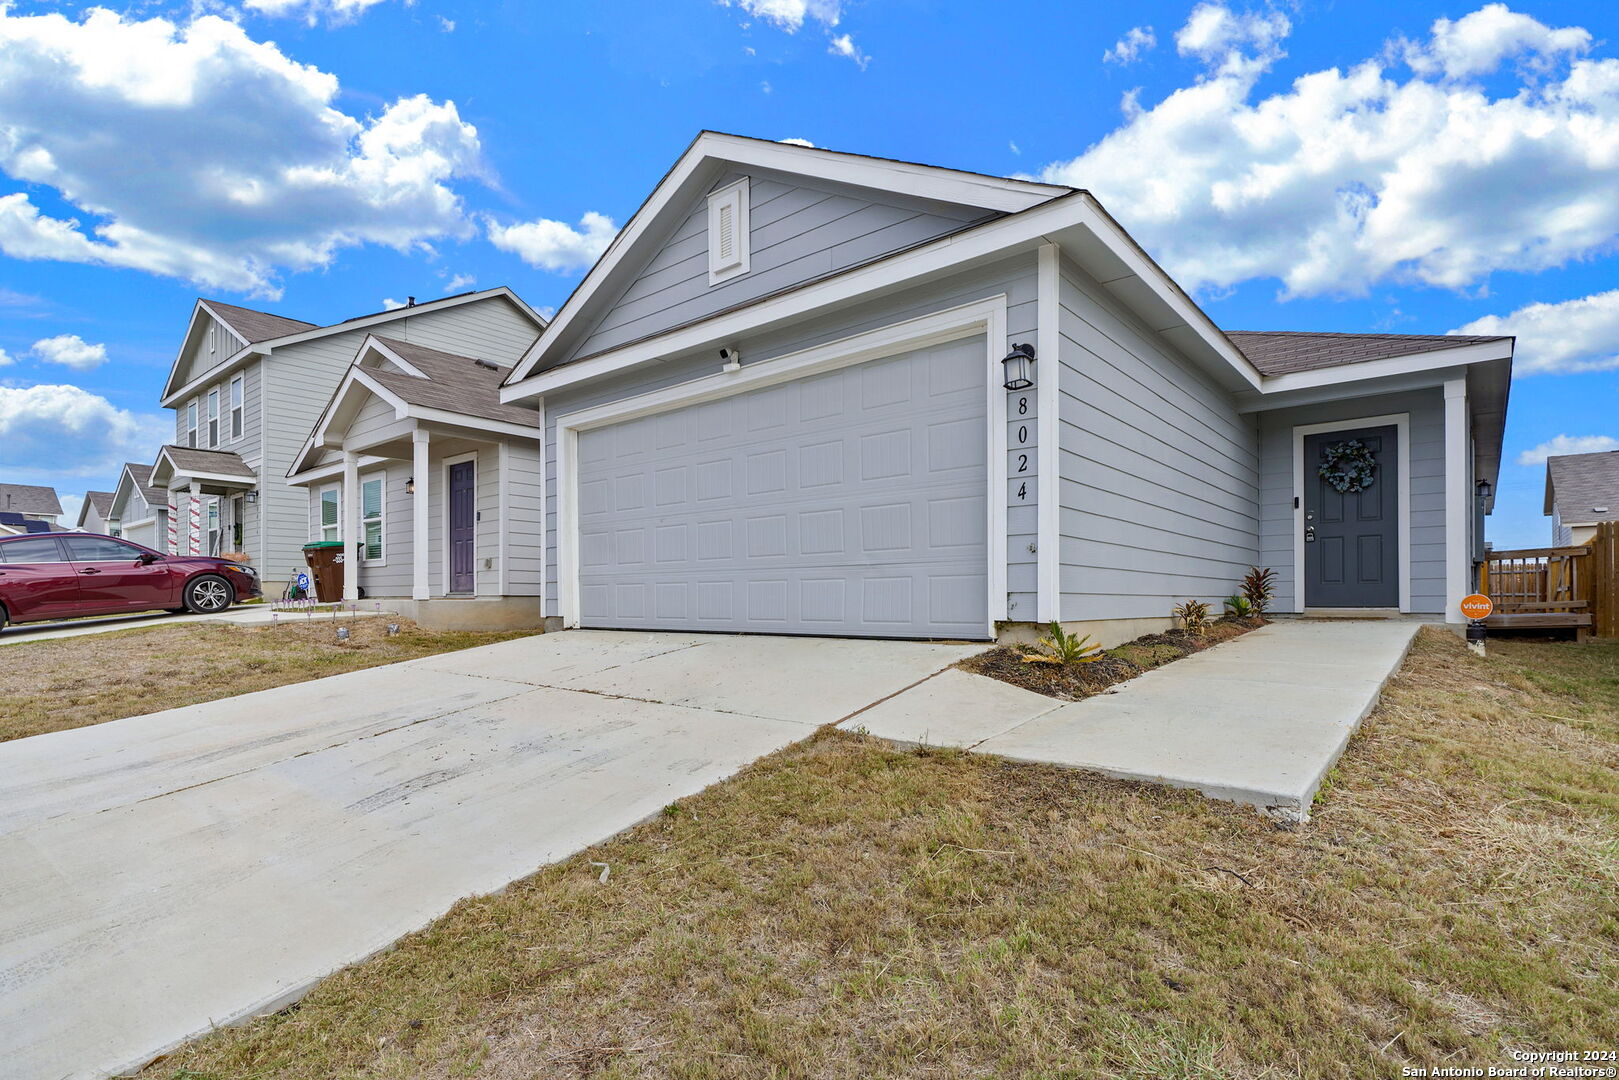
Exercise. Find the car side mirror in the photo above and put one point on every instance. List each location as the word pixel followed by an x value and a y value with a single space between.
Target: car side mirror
pixel 146 558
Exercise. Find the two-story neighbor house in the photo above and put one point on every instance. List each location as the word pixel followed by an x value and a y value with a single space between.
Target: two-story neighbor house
pixel 1582 491
pixel 32 501
pixel 139 511
pixel 815 392
pixel 93 512
pixel 247 386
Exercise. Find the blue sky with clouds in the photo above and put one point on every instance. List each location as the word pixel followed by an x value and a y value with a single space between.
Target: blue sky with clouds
pixel 1408 167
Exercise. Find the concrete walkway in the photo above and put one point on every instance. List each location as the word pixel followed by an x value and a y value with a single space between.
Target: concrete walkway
pixel 248 615
pixel 168 872
pixel 1256 720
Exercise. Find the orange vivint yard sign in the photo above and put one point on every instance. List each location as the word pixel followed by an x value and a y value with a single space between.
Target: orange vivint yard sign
pixel 1477 606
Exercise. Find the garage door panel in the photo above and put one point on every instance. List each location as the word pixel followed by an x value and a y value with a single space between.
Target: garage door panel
pixel 852 502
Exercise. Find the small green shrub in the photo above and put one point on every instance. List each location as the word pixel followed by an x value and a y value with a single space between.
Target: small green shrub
pixel 1061 647
pixel 1239 606
pixel 1193 616
pixel 1258 586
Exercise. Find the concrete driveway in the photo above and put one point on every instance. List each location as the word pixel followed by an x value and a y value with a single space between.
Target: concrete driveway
pixel 165 873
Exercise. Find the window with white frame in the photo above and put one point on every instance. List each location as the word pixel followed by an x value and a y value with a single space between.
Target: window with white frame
pixel 330 520
pixel 213 417
pixel 728 232
pixel 237 390
pixel 191 423
pixel 371 504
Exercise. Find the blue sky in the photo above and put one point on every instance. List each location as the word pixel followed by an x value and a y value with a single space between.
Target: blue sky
pixel 1413 167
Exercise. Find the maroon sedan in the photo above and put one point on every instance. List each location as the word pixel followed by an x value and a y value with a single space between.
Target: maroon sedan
pixel 65 575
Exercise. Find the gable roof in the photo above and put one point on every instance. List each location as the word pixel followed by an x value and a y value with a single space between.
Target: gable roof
pixel 301 331
pixel 190 461
pixel 704 161
pixel 141 475
pixel 29 499
pixel 458 384
pixel 253 326
pixel 101 500
pixel 1284 352
pixel 1583 488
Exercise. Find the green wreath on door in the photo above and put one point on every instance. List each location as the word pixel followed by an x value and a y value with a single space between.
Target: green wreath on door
pixel 1348 466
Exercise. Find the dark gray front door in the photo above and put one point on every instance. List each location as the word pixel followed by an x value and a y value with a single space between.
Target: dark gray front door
pixel 1351 539
pixel 463 526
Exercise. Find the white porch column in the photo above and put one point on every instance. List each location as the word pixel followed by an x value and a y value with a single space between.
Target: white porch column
pixel 1458 499
pixel 194 528
pixel 423 473
pixel 349 508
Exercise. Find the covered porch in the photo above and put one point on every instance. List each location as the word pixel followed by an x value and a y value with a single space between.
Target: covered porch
pixel 208 495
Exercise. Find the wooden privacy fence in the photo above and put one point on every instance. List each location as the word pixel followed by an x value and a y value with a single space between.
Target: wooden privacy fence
pixel 1556 587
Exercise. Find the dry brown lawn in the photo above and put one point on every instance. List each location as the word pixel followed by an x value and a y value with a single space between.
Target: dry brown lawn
pixel 846 909
pixel 74 682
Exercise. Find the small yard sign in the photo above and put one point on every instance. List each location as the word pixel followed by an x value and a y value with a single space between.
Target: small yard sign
pixel 1477 606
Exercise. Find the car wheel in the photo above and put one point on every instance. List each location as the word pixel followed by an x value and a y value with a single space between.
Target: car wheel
pixel 208 595
pixel 2 616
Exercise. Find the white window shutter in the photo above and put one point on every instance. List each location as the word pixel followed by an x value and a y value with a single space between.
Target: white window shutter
pixel 728 232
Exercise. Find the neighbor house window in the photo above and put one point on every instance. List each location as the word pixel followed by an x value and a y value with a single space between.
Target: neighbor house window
pixel 236 391
pixel 213 417
pixel 371 517
pixel 191 423
pixel 329 520
pixel 728 232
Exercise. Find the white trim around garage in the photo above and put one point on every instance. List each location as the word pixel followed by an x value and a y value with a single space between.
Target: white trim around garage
pixel 986 317
pixel 1402 424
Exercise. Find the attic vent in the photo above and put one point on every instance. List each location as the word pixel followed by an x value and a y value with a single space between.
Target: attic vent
pixel 487 364
pixel 728 232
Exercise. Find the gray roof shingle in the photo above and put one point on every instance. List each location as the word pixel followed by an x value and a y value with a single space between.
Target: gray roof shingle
pixel 101 500
pixel 454 383
pixel 257 326
pixel 142 475
pixel 215 462
pixel 1579 484
pixel 1284 352
pixel 29 499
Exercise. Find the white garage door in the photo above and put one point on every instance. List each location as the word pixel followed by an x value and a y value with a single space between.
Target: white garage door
pixel 851 502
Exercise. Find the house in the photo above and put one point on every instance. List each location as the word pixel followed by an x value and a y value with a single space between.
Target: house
pixel 93 512
pixel 1582 490
pixel 17 524
pixel 815 392
pixel 31 501
pixel 139 511
pixel 246 387
pixel 416 458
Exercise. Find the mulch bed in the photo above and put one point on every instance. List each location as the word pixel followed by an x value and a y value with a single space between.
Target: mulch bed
pixel 1071 682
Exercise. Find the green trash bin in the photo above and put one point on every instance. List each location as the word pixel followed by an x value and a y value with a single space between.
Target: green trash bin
pixel 325 559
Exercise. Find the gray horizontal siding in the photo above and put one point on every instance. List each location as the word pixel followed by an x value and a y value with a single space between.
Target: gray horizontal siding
pixel 1427 427
pixel 798 231
pixel 1159 485
pixel 1013 277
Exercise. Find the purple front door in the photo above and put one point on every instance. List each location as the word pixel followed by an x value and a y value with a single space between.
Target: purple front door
pixel 463 525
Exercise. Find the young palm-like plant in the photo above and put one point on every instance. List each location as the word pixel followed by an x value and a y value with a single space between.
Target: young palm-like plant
pixel 1194 616
pixel 1258 586
pixel 1239 606
pixel 1064 648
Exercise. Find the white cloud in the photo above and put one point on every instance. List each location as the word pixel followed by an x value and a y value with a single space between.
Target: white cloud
pixel 70 350
pixel 554 245
pixel 313 11
pixel 390 304
pixel 276 179
pixel 843 45
pixel 459 283
pixel 79 434
pixel 1352 177
pixel 5 358
pixel 1572 336
pixel 70 507
pixel 1129 48
pixel 790 15
pixel 446 25
pixel 1477 43
pixel 798 142
pixel 1568 444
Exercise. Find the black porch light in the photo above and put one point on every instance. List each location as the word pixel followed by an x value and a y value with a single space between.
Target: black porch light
pixel 1484 490
pixel 1019 367
pixel 410 486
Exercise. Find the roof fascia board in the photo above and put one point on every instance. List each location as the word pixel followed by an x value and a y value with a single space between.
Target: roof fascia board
pixel 1462 355
pixel 381 317
pixel 335 468
pixel 477 423
pixel 218 478
pixel 945 185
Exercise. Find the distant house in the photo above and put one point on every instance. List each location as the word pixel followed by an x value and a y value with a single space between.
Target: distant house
pixel 93 511
pixel 139 511
pixel 1581 491
pixel 31 501
pixel 247 386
